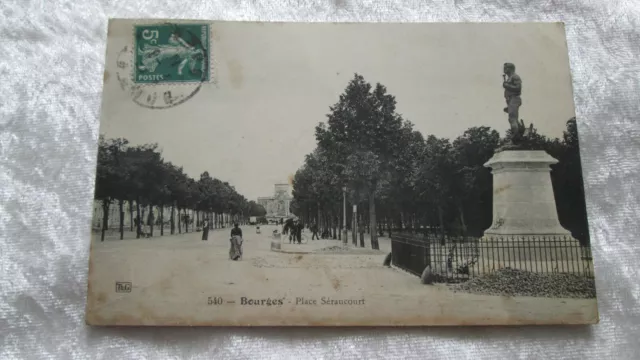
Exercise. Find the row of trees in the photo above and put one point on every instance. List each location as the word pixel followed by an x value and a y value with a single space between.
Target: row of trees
pixel 139 174
pixel 406 180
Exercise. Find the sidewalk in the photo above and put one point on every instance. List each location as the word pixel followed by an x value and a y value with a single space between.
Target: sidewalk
pixel 114 234
pixel 326 246
pixel 305 248
pixel 383 241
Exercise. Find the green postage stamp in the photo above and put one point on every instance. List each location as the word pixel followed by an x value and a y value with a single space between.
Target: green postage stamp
pixel 171 53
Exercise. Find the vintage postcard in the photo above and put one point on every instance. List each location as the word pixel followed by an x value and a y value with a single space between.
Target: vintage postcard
pixel 264 174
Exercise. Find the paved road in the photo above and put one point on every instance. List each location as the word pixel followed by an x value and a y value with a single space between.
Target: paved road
pixel 173 278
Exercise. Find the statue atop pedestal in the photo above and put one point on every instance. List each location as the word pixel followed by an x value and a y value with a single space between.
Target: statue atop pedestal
pixel 512 84
pixel 525 217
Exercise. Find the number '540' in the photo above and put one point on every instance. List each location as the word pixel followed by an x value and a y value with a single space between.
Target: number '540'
pixel 214 300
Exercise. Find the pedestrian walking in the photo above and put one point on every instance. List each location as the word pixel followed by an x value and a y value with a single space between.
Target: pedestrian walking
pixel 136 222
pixel 205 230
pixel 235 252
pixel 293 232
pixel 314 230
pixel 299 227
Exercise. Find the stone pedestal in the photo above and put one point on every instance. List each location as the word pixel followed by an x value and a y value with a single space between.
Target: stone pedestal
pixel 525 220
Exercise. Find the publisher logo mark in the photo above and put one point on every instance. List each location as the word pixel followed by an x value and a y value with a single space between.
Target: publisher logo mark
pixel 123 287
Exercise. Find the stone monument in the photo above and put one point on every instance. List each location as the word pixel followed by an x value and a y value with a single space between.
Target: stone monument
pixel 523 199
pixel 525 219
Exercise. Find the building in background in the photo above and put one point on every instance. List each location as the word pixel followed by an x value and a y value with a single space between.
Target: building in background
pixel 277 206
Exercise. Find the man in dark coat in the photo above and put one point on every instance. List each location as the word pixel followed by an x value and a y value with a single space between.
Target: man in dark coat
pixel 205 230
pixel 299 227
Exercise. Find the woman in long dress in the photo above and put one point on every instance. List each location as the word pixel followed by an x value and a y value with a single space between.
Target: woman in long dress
pixel 235 252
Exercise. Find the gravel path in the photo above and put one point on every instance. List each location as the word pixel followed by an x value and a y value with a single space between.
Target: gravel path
pixel 512 282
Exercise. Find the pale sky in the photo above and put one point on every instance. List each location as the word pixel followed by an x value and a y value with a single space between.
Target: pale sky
pixel 275 83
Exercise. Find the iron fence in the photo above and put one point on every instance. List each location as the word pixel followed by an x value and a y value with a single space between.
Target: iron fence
pixel 459 258
pixel 410 252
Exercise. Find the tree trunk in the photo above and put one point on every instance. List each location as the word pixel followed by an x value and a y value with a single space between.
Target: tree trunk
pixel 186 221
pixel 130 215
pixel 161 220
pixel 361 231
pixel 333 225
pixel 354 228
pixel 138 227
pixel 327 226
pixel 105 217
pixel 150 220
pixel 441 223
pixel 372 219
pixel 121 209
pixel 356 225
pixel 179 221
pixel 463 224
pixel 354 239
pixel 173 218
